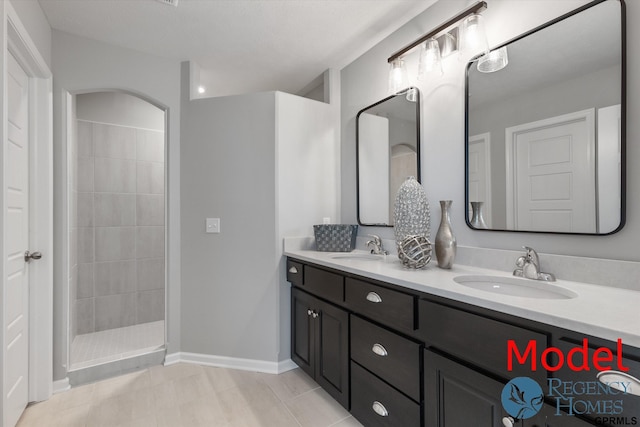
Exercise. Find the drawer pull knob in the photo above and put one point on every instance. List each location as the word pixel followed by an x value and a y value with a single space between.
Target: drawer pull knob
pixel 508 422
pixel 309 312
pixel 373 297
pixel 379 350
pixel 379 409
pixel 293 270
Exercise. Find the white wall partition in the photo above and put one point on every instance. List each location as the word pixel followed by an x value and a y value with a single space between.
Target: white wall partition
pixel 308 162
pixel 266 165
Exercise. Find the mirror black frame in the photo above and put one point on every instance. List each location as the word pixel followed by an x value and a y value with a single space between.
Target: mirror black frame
pixel 623 118
pixel 418 173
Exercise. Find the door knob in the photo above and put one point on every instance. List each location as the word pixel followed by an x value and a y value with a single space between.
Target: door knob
pixel 28 256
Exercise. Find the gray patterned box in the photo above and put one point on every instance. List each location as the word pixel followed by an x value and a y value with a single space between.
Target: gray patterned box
pixel 335 237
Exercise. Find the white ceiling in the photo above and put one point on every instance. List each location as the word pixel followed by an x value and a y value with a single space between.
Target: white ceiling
pixel 242 45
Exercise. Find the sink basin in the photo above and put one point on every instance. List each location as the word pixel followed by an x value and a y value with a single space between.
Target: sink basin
pixel 362 257
pixel 513 286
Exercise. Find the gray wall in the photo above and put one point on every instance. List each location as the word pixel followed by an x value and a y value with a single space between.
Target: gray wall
pixel 120 213
pixel 83 65
pixel 365 80
pixel 229 287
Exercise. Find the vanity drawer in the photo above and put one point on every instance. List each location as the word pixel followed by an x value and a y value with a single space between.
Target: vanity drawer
pixel 295 273
pixel 387 306
pixel 376 404
pixel 324 284
pixel 388 355
pixel 478 340
pixel 625 402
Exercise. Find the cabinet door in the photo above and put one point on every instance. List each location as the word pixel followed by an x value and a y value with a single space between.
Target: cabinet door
pixel 332 346
pixel 302 334
pixel 456 396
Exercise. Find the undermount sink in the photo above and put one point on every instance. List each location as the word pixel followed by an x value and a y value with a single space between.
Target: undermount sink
pixel 359 256
pixel 513 286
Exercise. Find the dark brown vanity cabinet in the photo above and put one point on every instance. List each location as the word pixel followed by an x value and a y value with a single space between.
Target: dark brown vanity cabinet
pixel 548 417
pixel 398 357
pixel 457 396
pixel 477 339
pixel 320 343
pixel 386 387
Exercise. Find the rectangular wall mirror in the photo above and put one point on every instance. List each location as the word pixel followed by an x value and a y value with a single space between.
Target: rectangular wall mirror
pixel 387 152
pixel 545 136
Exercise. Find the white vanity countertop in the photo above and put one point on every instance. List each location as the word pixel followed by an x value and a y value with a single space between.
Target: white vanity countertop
pixel 601 311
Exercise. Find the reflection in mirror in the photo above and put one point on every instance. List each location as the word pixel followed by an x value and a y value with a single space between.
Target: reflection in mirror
pixel 545 135
pixel 387 152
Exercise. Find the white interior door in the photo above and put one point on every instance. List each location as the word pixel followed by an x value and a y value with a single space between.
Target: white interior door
pixel 16 241
pixel 480 174
pixel 552 166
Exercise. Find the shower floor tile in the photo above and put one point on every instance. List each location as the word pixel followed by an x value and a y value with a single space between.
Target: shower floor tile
pixel 115 344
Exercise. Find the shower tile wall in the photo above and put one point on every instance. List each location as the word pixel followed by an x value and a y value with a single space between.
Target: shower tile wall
pixel 120 278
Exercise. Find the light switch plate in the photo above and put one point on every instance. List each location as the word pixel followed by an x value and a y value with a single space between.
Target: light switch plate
pixel 213 225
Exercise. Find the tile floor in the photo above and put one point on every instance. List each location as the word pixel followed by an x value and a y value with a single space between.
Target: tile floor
pixel 115 344
pixel 185 395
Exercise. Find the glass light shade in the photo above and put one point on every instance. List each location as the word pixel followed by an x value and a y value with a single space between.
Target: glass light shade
pixel 398 78
pixel 473 39
pixel 430 62
pixel 493 61
pixel 412 95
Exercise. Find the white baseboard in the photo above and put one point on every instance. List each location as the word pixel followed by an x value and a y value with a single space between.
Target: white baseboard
pixel 61 385
pixel 286 365
pixel 231 362
pixel 171 359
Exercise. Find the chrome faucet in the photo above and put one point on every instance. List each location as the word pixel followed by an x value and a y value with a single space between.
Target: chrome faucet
pixel 376 244
pixel 529 267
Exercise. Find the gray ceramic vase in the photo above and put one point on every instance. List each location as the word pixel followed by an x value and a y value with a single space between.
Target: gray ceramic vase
pixel 445 240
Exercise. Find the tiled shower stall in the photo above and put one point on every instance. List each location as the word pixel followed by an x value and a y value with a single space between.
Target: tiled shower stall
pixel 117 276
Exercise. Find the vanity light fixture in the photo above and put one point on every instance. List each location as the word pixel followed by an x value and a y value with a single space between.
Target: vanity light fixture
pixel 467 36
pixel 473 38
pixel 430 60
pixel 398 78
pixel 493 61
